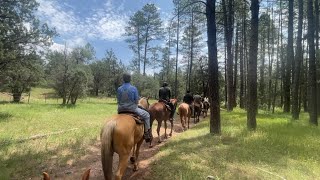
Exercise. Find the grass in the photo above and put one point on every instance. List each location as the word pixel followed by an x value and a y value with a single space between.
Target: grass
pixel 278 149
pixel 40 116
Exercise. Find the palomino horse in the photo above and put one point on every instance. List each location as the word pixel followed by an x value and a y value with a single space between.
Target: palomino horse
pixel 121 134
pixel 159 111
pixel 85 175
pixel 184 112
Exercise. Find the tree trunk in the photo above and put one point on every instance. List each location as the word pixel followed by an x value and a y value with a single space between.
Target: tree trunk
pixel 228 32
pixel 241 72
pixel 145 53
pixel 215 127
pixel 312 67
pixel 177 56
pixel 270 61
pixel 262 69
pixel 290 56
pixel 298 60
pixel 235 68
pixel 16 94
pixel 252 71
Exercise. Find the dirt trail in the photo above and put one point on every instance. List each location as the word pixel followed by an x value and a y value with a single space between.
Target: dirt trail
pixel 92 159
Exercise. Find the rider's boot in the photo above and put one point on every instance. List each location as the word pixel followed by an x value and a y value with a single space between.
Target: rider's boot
pixel 147 135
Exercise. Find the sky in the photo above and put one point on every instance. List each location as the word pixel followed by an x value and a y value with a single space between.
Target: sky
pixel 98 22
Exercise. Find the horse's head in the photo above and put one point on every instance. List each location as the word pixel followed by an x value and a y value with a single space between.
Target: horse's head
pixel 85 175
pixel 143 102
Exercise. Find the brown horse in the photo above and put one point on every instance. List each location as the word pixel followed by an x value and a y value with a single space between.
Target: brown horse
pixel 205 107
pixel 197 111
pixel 121 135
pixel 184 112
pixel 159 111
pixel 85 175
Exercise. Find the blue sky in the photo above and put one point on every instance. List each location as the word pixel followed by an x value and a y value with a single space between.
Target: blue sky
pixel 99 22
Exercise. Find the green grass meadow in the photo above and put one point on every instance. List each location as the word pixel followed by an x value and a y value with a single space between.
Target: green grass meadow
pixel 80 124
pixel 279 149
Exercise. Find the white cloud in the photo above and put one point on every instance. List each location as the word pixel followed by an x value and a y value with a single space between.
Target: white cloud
pixel 106 23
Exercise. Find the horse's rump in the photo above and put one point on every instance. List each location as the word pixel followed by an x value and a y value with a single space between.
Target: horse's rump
pixel 184 109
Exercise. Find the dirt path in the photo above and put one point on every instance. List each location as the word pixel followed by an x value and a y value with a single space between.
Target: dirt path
pixel 92 159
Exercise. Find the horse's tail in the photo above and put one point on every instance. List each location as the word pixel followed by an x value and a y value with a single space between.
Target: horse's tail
pixel 107 149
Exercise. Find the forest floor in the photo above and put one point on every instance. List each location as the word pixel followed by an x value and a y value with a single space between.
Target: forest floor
pixel 92 159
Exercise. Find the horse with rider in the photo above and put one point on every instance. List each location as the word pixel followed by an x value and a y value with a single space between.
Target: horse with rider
pixel 125 131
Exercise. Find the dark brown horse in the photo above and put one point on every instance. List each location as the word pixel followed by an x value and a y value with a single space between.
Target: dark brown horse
pixel 160 112
pixel 121 134
pixel 197 111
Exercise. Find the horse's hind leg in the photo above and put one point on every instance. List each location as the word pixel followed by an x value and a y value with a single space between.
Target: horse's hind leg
pixel 123 163
pixel 158 131
pixel 133 157
pixel 165 129
pixel 136 164
pixel 171 122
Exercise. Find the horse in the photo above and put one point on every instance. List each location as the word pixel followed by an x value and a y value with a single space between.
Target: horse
pixel 197 104
pixel 197 111
pixel 184 112
pixel 160 112
pixel 85 175
pixel 205 107
pixel 121 135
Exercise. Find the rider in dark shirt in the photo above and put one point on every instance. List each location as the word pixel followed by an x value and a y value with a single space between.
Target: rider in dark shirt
pixel 188 98
pixel 164 96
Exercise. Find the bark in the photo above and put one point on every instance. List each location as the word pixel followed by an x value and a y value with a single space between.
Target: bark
pixel 270 62
pixel 298 60
pixel 312 67
pixel 252 71
pixel 262 69
pixel 215 127
pixel 228 26
pixel 290 56
pixel 235 68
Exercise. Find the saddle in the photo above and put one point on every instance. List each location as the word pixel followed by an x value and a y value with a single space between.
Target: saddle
pixel 165 104
pixel 135 116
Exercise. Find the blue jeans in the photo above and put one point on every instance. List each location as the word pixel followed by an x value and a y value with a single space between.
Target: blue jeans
pixel 145 117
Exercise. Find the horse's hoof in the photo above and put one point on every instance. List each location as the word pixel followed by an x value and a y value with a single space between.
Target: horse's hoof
pixel 150 146
pixel 132 159
pixel 170 134
pixel 159 141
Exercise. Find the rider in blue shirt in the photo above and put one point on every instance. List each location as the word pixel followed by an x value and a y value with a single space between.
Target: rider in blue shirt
pixel 128 97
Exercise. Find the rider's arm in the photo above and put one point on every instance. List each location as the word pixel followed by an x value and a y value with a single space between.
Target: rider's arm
pixel 169 93
pixel 118 95
pixel 135 95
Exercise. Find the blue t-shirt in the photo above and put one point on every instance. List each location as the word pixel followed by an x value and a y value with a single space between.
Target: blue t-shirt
pixel 127 96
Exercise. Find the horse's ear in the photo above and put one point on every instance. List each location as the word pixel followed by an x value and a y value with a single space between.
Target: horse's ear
pixel 46 176
pixel 86 175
